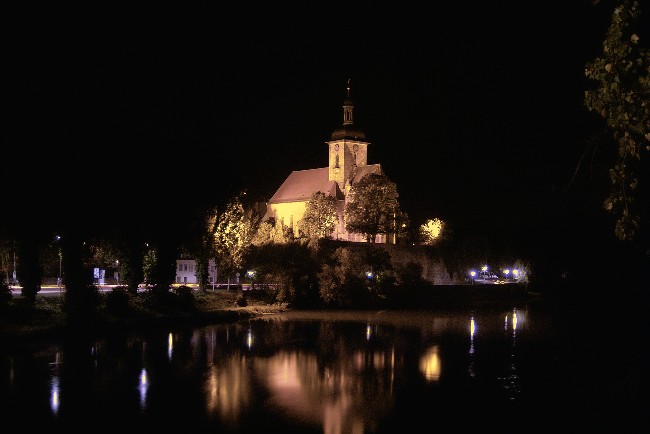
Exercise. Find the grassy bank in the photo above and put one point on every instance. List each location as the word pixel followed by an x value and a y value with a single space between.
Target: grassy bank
pixel 46 316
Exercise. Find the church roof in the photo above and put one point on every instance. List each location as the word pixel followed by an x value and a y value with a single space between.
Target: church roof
pixel 347 132
pixel 301 184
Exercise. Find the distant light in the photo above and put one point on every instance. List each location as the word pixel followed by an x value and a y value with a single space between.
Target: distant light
pixel 484 268
pixel 472 273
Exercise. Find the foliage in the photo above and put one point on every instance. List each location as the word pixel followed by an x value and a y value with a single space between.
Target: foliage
pixel 7 257
pixel 202 248
pixel 117 301
pixel 161 265
pixel 373 207
pixel 410 274
pixel 131 266
pixel 432 231
pixel 103 253
pixel 28 268
pixel 272 231
pixel 232 237
pixel 148 263
pixel 288 270
pixel 355 276
pixel 320 217
pixel 184 296
pixel 81 295
pixel 622 99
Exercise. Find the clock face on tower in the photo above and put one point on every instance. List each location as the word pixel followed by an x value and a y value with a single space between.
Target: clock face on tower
pixel 336 147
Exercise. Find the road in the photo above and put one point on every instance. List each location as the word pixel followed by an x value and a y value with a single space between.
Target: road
pixel 54 290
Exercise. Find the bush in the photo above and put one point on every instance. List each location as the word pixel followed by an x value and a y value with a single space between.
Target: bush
pixel 184 297
pixel 241 301
pixel 117 301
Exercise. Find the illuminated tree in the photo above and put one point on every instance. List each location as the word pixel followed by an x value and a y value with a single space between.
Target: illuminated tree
pixel 320 217
pixel 272 232
pixel 622 99
pixel 431 231
pixel 232 237
pixel 373 207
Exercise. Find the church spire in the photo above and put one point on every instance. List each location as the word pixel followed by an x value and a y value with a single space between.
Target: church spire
pixel 348 107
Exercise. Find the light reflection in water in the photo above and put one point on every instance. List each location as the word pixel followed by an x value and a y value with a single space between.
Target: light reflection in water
pixel 54 394
pixel 472 331
pixel 329 395
pixel 228 389
pixel 143 386
pixel 249 339
pixel 511 381
pixel 343 380
pixel 430 364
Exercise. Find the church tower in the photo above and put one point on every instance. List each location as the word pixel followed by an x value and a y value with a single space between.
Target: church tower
pixel 348 148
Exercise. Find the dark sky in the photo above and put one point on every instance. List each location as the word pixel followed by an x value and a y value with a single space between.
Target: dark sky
pixel 474 110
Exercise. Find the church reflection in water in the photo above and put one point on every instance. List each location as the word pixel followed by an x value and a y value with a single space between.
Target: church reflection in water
pixel 333 372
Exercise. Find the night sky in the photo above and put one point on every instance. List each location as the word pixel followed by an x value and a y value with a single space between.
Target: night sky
pixel 474 109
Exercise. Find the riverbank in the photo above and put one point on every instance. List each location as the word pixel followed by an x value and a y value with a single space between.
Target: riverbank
pixel 20 319
pixel 46 317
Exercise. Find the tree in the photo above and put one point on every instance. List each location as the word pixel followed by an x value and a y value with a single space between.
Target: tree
pixel 199 242
pixel 622 99
pixel 431 231
pixel 320 217
pixel 373 207
pixel 272 231
pixel 29 270
pixel 232 237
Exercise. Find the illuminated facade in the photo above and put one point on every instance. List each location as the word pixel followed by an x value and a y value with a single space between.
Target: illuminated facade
pixel 348 163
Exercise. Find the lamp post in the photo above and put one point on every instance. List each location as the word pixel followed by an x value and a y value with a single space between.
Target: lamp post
pixel 59 279
pixel 473 275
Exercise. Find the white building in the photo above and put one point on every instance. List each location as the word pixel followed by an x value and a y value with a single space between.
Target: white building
pixel 186 271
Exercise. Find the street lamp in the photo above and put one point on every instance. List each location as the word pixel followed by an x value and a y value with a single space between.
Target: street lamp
pixel 251 275
pixel 507 272
pixel 59 280
pixel 473 276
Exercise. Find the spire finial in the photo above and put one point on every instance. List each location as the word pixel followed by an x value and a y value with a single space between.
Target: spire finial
pixel 348 88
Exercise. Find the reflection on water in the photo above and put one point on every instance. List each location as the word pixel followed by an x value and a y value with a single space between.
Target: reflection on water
pixel 430 364
pixel 143 385
pixel 336 372
pixel 510 381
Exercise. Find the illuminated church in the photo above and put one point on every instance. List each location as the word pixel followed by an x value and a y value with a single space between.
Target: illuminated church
pixel 348 163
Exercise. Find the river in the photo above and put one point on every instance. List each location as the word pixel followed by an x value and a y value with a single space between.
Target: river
pixel 521 368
